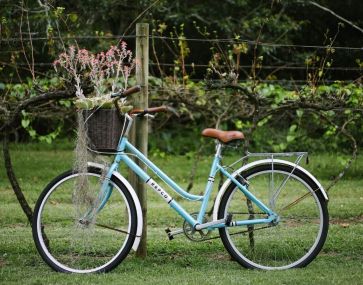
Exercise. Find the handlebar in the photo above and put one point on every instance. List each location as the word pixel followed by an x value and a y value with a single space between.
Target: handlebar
pixel 143 112
pixel 126 92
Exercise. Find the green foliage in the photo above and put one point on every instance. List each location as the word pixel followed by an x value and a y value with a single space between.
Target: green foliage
pixel 39 123
pixel 48 138
pixel 300 130
pixel 290 129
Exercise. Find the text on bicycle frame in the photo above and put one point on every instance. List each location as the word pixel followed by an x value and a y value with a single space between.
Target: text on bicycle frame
pixel 157 188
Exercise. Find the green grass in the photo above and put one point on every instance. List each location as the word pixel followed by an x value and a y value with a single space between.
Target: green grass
pixel 179 261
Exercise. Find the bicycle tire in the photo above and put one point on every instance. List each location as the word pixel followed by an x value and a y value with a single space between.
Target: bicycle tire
pixel 297 238
pixel 65 245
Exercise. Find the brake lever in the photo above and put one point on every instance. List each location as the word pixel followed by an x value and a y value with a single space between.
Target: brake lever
pixel 143 115
pixel 150 116
pixel 172 110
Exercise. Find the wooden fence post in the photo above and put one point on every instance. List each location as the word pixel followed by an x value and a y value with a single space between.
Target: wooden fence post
pixel 140 132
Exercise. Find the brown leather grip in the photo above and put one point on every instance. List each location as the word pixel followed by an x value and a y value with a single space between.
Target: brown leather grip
pixel 131 90
pixel 150 110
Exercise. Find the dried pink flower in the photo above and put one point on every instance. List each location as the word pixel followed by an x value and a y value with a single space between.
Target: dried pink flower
pixel 112 64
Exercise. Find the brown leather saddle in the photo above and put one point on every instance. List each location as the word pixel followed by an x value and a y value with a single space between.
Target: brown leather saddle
pixel 223 136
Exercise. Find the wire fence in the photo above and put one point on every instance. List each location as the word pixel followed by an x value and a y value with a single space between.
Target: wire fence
pixel 271 68
pixel 205 40
pixel 258 43
pixel 61 38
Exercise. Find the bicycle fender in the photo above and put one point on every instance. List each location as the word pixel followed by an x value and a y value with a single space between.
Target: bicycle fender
pixel 257 163
pixel 134 197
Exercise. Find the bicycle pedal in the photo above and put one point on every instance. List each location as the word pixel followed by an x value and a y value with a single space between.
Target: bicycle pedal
pixel 228 220
pixel 168 232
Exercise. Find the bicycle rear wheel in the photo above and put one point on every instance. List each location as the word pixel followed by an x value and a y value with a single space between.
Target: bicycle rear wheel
pixel 299 235
pixel 69 245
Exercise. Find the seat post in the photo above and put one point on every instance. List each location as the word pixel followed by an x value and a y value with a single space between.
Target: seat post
pixel 219 147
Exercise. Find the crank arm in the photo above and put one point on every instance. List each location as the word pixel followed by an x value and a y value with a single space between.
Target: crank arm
pixel 171 234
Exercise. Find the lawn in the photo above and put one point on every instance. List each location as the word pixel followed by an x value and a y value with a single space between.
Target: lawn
pixel 179 261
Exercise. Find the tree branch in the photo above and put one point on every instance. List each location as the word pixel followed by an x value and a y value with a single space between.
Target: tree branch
pixel 10 125
pixel 14 182
pixel 59 94
pixel 347 134
pixel 336 15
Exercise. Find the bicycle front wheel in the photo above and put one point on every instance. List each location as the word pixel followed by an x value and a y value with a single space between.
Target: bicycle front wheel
pixel 69 244
pixel 299 234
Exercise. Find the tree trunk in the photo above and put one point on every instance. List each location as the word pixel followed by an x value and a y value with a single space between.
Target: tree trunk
pixel 14 182
pixel 141 124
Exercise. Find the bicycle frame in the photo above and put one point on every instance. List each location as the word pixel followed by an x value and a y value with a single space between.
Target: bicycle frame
pixel 125 148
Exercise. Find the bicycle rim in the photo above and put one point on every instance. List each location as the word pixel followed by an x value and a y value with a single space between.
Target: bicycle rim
pixel 70 246
pixel 298 236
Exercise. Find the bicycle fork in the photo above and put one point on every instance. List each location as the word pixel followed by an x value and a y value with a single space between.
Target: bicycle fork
pixel 102 198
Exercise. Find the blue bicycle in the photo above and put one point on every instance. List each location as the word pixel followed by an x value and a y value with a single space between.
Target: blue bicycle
pixel 270 213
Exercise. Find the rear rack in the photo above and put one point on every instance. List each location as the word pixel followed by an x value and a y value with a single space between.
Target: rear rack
pixel 273 190
pixel 299 155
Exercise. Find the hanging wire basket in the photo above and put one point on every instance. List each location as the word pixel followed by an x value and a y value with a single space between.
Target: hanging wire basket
pixel 104 129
